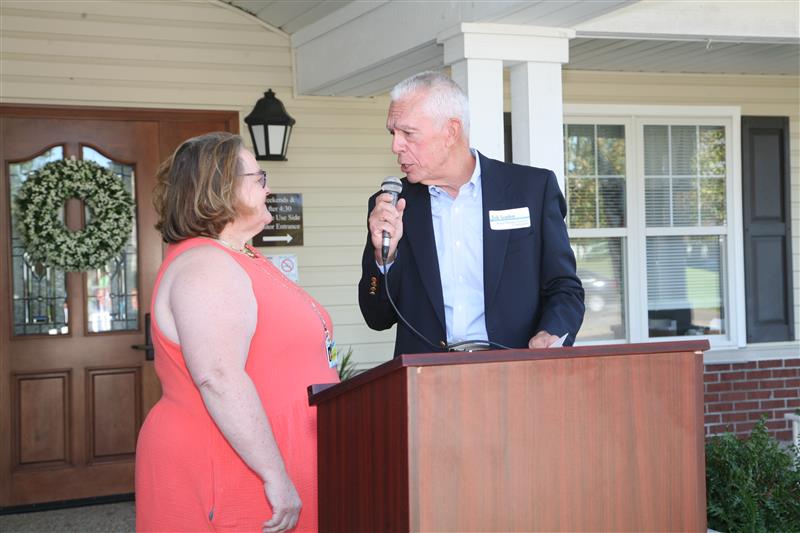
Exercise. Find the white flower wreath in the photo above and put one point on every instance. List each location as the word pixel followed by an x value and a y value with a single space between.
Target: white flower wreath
pixel 48 241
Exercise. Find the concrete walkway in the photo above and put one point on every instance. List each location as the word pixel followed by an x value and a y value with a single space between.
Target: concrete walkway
pixel 106 518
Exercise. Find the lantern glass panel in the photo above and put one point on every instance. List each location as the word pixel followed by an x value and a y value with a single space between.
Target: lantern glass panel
pixel 257 132
pixel 276 133
pixel 286 140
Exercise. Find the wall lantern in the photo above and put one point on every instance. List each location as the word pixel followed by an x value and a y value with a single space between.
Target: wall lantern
pixel 270 127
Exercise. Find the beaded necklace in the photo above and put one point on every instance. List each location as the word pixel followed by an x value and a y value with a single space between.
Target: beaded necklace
pixel 243 250
pixel 260 263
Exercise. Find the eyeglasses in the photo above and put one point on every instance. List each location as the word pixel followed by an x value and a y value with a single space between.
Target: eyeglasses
pixel 262 180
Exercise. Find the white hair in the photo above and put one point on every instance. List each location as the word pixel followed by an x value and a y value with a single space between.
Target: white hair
pixel 444 99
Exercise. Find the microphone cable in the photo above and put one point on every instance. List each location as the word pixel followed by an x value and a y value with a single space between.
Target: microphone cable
pixel 419 335
pixel 448 347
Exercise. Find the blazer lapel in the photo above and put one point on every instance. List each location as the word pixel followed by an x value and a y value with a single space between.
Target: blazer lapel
pixel 495 196
pixel 418 229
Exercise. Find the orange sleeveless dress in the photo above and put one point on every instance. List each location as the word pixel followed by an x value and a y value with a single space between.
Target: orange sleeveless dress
pixel 188 478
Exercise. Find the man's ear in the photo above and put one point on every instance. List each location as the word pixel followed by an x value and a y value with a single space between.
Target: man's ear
pixel 454 130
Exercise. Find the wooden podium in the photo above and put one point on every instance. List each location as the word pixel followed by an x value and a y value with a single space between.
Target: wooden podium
pixel 596 438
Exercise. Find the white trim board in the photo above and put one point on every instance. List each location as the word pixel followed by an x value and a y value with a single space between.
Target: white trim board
pixel 753 352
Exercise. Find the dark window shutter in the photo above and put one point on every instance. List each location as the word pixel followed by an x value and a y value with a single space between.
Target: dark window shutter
pixel 766 213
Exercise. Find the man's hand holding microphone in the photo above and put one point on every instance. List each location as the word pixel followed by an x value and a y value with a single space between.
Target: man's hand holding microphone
pixel 386 220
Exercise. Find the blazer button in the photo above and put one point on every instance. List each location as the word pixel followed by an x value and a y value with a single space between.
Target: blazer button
pixel 443 344
pixel 372 292
pixel 373 280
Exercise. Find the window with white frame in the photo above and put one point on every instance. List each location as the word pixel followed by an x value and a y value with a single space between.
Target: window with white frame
pixel 648 211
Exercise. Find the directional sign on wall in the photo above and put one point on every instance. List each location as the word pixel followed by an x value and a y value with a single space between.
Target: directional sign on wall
pixel 286 228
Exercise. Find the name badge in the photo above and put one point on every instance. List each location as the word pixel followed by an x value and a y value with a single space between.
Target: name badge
pixel 333 352
pixel 510 219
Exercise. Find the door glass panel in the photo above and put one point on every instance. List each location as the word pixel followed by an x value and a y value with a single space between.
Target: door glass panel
pixel 39 293
pixel 112 292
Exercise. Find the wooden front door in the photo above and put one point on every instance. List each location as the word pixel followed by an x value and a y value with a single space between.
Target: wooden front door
pixel 73 391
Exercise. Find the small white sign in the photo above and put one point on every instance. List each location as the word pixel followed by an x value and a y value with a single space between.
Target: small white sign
pixel 287 264
pixel 510 219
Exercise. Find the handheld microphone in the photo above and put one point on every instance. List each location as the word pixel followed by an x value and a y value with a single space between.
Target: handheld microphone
pixel 393 186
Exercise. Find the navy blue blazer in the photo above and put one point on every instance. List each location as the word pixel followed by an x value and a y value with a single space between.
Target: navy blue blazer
pixel 529 275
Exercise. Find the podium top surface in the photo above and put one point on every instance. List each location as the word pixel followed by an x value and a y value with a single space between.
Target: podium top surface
pixel 319 393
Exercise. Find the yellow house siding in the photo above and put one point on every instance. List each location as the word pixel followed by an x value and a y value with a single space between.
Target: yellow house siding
pixel 204 55
pixel 162 54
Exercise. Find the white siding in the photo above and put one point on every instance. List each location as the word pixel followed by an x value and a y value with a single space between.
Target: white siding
pixel 206 55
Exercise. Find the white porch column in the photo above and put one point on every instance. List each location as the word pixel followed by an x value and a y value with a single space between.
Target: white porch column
pixel 482 80
pixel 537 116
pixel 535 55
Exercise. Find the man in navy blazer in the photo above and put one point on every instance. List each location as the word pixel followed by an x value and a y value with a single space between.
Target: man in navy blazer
pixel 479 250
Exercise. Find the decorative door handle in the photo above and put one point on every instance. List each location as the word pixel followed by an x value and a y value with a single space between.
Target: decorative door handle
pixel 149 352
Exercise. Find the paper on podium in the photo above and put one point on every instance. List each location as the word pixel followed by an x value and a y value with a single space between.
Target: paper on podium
pixel 560 342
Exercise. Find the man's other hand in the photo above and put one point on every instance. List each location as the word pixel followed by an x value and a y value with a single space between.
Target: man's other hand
pixel 543 339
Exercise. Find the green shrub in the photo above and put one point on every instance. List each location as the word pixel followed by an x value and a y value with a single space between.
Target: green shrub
pixel 752 485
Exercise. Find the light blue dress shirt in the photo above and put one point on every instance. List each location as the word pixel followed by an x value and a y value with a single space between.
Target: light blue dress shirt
pixel 458 230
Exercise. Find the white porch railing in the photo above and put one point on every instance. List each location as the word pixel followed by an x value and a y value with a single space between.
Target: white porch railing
pixel 795 418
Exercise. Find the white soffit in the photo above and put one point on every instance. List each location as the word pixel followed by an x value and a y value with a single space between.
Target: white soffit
pixel 754 21
pixel 287 15
pixel 364 48
pixel 716 37
pixel 700 57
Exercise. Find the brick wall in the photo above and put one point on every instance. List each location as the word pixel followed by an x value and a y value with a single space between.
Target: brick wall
pixel 738 394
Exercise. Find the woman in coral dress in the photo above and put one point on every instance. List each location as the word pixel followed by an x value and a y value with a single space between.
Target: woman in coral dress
pixel 231 445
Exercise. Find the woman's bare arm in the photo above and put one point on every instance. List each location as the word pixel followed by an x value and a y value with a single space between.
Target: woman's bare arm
pixel 215 314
